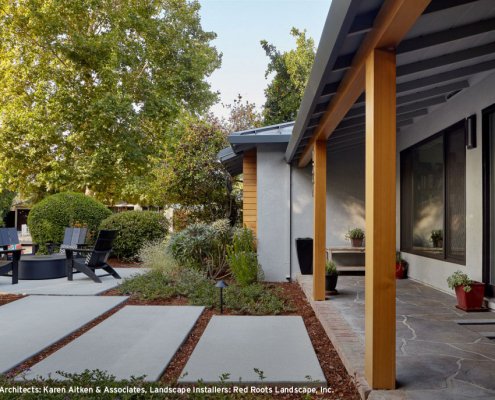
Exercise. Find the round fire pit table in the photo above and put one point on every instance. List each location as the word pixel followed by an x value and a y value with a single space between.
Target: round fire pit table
pixel 42 266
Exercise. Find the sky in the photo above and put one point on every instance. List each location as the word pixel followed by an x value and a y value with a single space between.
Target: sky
pixel 240 25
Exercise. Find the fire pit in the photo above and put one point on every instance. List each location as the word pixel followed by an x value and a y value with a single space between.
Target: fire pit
pixel 42 266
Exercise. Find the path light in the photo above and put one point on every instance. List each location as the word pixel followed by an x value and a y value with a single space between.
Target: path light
pixel 221 285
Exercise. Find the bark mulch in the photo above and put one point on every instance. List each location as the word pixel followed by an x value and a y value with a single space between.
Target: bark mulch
pixel 116 263
pixel 8 298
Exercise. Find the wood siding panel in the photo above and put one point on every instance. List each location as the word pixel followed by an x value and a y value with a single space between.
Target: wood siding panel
pixel 250 203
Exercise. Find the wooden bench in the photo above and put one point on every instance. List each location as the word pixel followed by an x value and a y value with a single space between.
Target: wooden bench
pixel 346 250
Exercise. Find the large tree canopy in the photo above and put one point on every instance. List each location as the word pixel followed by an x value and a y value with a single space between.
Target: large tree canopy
pixel 189 176
pixel 89 90
pixel 290 71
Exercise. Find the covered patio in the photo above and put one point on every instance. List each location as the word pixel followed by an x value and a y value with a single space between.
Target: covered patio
pixel 381 67
pixel 441 352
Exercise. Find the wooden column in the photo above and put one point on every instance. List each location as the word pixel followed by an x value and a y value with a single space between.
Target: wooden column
pixel 380 220
pixel 250 192
pixel 319 218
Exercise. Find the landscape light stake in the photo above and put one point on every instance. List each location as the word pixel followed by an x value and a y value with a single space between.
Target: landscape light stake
pixel 221 285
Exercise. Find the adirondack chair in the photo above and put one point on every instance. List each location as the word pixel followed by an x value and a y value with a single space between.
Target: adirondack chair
pixel 74 238
pixel 9 240
pixel 96 258
pixel 10 267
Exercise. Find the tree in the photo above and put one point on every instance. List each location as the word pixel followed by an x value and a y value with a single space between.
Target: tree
pixel 291 71
pixel 243 115
pixel 90 90
pixel 6 200
pixel 189 177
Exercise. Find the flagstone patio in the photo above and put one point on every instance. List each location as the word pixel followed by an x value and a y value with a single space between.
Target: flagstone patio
pixel 441 351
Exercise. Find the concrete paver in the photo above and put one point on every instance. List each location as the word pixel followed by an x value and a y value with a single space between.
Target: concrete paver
pixel 80 286
pixel 277 346
pixel 135 341
pixel 31 324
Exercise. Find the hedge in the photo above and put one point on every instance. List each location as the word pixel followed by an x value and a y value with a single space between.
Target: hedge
pixel 135 228
pixel 48 219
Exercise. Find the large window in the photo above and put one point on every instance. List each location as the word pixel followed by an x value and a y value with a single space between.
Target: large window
pixel 433 196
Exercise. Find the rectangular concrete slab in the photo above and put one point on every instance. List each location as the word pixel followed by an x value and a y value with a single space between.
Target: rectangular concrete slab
pixel 279 346
pixel 135 341
pixel 80 286
pixel 29 325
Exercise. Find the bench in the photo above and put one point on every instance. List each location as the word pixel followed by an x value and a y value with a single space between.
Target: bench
pixel 346 250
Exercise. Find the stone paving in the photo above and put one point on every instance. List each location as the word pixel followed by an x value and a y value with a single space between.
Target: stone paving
pixel 31 324
pixel 277 346
pixel 135 341
pixel 80 286
pixel 437 358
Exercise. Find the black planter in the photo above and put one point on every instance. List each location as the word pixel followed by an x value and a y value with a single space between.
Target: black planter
pixel 304 248
pixel 331 282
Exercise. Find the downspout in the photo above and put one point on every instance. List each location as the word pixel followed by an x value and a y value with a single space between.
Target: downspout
pixel 289 278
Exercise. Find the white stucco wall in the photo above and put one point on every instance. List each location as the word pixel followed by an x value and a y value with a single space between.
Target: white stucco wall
pixel 345 199
pixel 345 205
pixel 273 212
pixel 470 101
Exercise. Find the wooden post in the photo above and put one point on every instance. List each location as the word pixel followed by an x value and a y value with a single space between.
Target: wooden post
pixel 250 192
pixel 319 218
pixel 380 220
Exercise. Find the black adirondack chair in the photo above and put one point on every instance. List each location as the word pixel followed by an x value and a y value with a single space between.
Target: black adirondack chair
pixel 10 238
pixel 74 238
pixel 10 266
pixel 96 258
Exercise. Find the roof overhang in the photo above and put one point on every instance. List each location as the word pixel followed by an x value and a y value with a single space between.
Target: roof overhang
pixel 231 157
pixel 447 47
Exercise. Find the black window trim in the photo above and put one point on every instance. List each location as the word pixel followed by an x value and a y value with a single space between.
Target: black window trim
pixel 443 256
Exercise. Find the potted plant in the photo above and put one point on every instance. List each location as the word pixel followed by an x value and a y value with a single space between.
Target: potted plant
pixel 469 293
pixel 401 266
pixel 356 236
pixel 436 238
pixel 331 276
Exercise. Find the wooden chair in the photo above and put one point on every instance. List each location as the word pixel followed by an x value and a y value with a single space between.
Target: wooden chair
pixel 96 258
pixel 10 267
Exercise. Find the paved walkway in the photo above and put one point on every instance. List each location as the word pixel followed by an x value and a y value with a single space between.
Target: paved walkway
pixel 80 286
pixel 437 357
pixel 31 324
pixel 277 346
pixel 135 341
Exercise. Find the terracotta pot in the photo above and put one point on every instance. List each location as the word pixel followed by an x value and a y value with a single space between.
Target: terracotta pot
pixel 357 242
pixel 472 300
pixel 331 282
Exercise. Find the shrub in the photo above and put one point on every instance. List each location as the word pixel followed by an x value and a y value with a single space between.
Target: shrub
pixel 257 299
pixel 134 229
pixel 242 257
pixel 48 219
pixel 203 247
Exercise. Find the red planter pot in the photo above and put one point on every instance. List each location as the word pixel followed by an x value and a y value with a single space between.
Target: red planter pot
pixel 472 300
pixel 400 271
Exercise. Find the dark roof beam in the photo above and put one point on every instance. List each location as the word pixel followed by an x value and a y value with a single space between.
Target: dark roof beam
pixel 418 43
pixel 446 76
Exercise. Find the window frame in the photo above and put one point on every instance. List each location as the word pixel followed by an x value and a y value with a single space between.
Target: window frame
pixel 408 248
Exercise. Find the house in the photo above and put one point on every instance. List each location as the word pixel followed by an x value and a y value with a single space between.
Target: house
pixel 395 134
